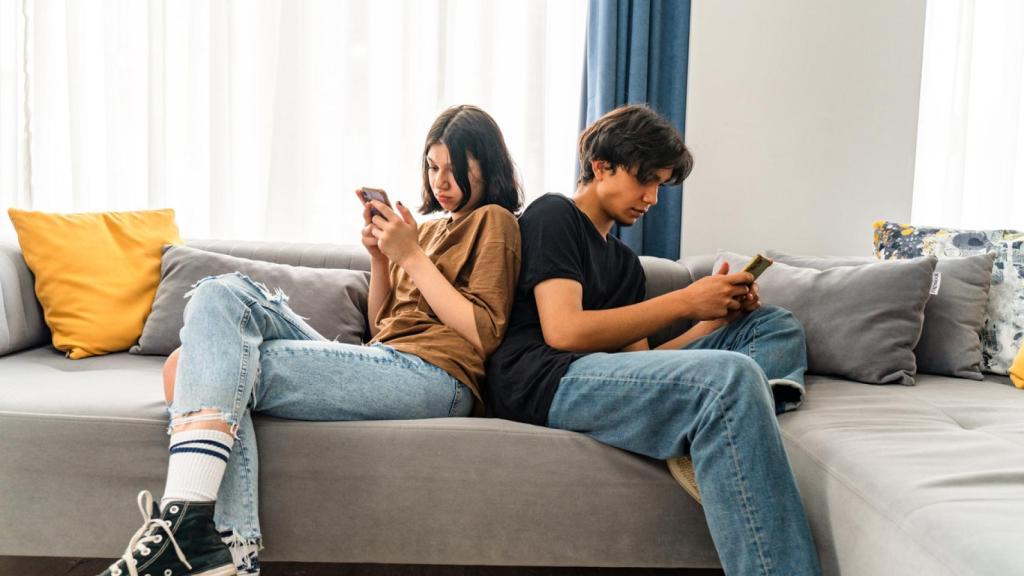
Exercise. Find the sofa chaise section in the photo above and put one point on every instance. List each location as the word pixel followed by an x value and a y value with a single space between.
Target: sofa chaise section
pixel 915 480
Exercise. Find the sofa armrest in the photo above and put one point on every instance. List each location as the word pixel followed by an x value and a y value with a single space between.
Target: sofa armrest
pixel 663 276
pixel 699 266
pixel 21 318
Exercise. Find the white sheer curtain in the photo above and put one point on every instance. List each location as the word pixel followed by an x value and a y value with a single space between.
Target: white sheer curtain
pixel 13 145
pixel 970 144
pixel 256 119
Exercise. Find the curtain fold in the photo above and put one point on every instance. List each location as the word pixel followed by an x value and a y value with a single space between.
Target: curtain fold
pixel 257 119
pixel 637 52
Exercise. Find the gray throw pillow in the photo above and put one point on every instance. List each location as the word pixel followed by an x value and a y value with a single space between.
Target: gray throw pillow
pixel 862 322
pixel 1003 334
pixel 950 342
pixel 333 300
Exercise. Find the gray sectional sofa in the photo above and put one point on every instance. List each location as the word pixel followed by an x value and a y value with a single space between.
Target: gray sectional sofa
pixel 896 480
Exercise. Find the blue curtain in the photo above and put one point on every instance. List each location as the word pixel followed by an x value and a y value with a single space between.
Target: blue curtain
pixel 637 53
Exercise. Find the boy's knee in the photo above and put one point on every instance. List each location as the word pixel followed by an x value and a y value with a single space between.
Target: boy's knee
pixel 743 367
pixel 779 319
pixel 777 313
pixel 746 376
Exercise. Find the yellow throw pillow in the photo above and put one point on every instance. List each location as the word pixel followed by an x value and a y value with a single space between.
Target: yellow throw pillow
pixel 1017 370
pixel 96 273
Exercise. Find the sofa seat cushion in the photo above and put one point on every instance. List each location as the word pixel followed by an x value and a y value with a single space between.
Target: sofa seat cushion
pixel 467 491
pixel 923 480
pixel 122 386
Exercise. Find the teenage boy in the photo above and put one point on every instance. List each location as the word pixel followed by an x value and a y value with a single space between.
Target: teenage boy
pixel 576 355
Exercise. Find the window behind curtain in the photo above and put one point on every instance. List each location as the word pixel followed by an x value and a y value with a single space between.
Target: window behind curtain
pixel 970 146
pixel 257 119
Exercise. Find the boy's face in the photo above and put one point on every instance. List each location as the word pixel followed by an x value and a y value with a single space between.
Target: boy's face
pixel 624 198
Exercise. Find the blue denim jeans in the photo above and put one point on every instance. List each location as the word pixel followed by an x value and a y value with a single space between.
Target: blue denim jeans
pixel 244 351
pixel 712 401
pixel 773 338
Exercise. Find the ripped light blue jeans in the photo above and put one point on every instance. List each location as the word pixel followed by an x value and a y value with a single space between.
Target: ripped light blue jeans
pixel 244 351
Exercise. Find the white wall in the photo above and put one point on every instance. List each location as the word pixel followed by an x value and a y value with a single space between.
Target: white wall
pixel 802 118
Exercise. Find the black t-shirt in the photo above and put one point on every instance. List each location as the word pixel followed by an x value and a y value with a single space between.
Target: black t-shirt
pixel 559 241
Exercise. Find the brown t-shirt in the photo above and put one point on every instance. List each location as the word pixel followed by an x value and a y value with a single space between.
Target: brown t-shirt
pixel 479 255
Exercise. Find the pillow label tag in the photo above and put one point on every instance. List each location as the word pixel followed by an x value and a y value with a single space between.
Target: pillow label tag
pixel 936 283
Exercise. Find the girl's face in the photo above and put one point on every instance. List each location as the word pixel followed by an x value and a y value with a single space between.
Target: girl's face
pixel 442 181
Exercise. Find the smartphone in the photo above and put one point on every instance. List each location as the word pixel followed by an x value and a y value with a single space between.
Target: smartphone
pixel 374 194
pixel 757 265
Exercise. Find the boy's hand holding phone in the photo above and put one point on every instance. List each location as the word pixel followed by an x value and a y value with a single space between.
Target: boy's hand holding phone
pixel 723 296
pixel 717 296
pixel 757 265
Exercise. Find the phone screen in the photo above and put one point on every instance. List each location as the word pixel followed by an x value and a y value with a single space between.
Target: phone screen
pixel 757 265
pixel 374 194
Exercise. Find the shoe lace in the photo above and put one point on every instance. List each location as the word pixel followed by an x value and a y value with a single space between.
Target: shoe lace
pixel 145 536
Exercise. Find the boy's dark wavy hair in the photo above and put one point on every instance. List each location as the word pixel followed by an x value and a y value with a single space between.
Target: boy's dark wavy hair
pixel 634 137
pixel 467 130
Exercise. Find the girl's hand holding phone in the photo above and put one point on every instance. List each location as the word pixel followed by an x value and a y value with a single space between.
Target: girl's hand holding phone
pixel 368 239
pixel 396 233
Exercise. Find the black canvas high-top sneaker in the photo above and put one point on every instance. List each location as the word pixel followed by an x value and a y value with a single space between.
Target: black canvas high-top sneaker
pixel 181 541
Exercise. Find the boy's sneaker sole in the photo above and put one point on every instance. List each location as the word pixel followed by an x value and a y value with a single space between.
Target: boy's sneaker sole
pixel 682 470
pixel 221 571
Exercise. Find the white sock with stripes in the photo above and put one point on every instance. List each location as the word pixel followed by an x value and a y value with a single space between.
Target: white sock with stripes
pixel 197 462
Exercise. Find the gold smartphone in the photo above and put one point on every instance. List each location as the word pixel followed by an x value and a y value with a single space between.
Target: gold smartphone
pixel 757 265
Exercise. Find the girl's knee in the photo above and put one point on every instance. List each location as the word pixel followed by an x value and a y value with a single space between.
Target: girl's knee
pixel 170 372
pixel 220 286
pixel 203 419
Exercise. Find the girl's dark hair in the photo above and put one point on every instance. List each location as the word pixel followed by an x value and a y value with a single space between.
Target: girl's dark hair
pixel 634 137
pixel 467 130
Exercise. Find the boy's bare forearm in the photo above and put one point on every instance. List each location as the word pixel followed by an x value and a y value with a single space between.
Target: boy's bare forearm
pixel 698 331
pixel 616 328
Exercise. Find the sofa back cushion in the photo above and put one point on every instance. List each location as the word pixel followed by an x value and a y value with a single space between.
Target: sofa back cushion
pixel 332 300
pixel 21 316
pixel 309 254
pixel 663 276
pixel 699 266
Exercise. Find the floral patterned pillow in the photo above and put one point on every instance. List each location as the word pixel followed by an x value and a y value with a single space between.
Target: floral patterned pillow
pixel 1003 334
pixel 1017 370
